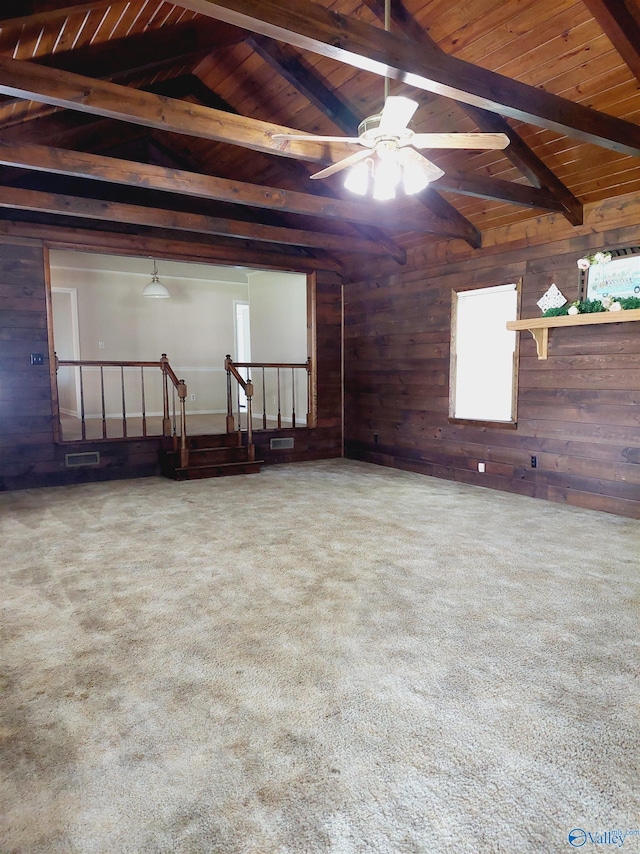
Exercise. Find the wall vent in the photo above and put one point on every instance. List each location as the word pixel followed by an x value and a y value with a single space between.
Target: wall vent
pixel 281 444
pixel 90 458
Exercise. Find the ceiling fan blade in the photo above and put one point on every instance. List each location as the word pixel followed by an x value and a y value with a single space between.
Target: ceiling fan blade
pixel 356 157
pixel 396 114
pixel 309 137
pixel 459 140
pixel 412 159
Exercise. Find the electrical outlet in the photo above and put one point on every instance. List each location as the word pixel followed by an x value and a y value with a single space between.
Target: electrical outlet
pixel 534 462
pixel 481 468
pixel 37 359
pixel 375 438
pixel 100 345
pixel 193 397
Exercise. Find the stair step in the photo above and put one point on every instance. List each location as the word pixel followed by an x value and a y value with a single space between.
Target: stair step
pixel 216 470
pixel 215 440
pixel 215 455
pixel 201 456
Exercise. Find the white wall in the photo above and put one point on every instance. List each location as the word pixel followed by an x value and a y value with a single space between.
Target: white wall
pixel 278 307
pixel 195 327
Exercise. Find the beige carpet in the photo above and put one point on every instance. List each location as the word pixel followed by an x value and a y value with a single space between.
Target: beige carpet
pixel 324 657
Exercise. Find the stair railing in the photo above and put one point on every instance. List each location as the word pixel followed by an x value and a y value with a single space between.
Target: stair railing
pixel 178 387
pixel 181 388
pixel 247 386
pixel 287 372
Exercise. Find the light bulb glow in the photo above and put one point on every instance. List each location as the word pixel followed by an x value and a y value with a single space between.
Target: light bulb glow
pixel 392 166
pixel 357 180
pixel 387 177
pixel 414 178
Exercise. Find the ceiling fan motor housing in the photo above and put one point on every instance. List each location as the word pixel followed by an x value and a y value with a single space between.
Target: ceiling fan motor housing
pixel 369 132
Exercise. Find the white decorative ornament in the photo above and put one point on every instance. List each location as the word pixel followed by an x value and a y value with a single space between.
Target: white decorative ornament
pixel 615 306
pixel 551 299
pixel 573 310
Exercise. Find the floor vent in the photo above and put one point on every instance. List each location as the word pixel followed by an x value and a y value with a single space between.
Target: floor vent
pixel 281 444
pixel 90 458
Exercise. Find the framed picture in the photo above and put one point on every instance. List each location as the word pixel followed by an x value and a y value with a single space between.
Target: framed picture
pixel 619 277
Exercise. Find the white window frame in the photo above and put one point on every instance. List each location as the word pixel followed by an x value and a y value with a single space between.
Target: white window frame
pixel 489 351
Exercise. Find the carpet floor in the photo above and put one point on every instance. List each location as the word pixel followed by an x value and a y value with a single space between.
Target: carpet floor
pixel 327 657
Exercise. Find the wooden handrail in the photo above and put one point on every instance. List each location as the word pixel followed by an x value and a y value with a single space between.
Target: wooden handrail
pixel 96 363
pixel 181 388
pixel 168 374
pixel 230 368
pixel 247 386
pixel 306 365
pixel 233 371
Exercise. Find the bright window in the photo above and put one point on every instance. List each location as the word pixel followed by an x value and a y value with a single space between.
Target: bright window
pixel 483 354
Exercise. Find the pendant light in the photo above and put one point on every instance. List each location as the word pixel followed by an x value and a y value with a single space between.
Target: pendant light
pixel 155 289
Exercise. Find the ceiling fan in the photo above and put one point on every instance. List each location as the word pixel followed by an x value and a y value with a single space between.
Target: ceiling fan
pixel 388 136
pixel 390 154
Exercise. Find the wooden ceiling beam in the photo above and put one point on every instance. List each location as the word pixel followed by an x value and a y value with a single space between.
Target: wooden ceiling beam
pixel 288 65
pixel 95 209
pixel 177 246
pixel 122 59
pixel 309 26
pixel 622 28
pixel 116 171
pixel 518 152
pixel 446 211
pixel 483 187
pixel 160 112
pixel 168 156
pixel 34 82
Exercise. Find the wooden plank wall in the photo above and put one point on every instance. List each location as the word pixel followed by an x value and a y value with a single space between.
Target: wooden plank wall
pixel 578 412
pixel 29 456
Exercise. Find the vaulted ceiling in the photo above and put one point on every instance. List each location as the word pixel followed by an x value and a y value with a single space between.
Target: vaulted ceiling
pixel 159 117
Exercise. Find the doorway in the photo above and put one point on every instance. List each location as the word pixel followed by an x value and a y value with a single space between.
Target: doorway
pixel 243 342
pixel 66 336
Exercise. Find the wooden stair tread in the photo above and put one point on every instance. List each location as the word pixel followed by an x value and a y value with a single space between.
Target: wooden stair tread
pixel 236 464
pixel 210 456
pixel 219 470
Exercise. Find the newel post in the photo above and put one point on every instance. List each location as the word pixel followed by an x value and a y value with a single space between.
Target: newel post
pixel 184 451
pixel 166 420
pixel 227 367
pixel 309 394
pixel 251 451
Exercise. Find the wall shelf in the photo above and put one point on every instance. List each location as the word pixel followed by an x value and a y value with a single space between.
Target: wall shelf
pixel 539 326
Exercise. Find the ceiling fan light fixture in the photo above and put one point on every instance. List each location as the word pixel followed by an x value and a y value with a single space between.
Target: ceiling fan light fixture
pixel 414 180
pixel 358 178
pixel 387 176
pixel 417 173
pixel 155 289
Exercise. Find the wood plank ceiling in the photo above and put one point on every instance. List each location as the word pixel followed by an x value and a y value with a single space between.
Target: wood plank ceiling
pixel 159 116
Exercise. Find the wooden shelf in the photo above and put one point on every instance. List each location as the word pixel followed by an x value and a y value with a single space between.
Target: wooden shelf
pixel 539 326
